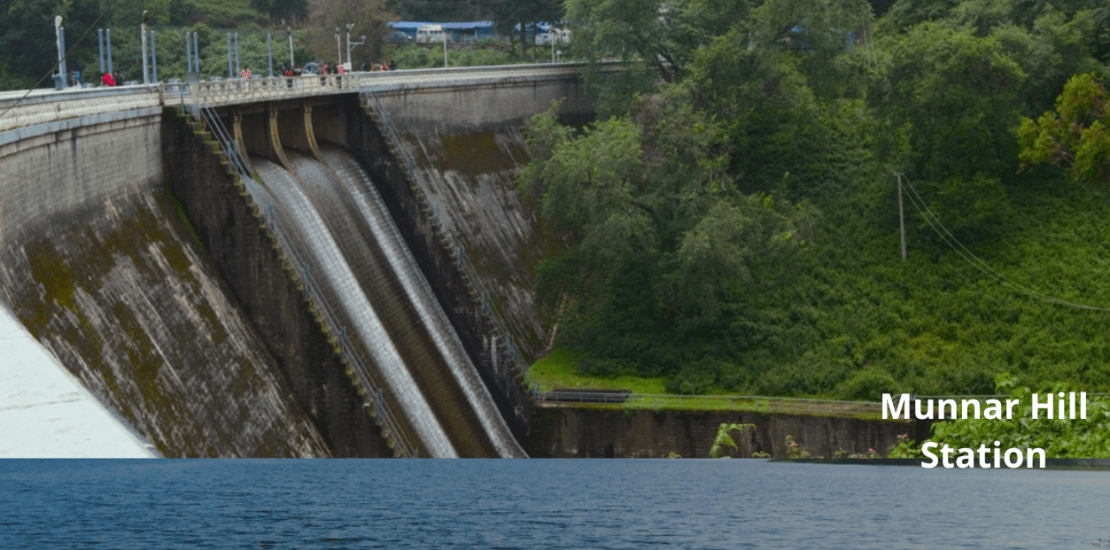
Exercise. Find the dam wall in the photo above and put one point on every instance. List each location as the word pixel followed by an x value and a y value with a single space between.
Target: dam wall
pixel 100 163
pixel 98 265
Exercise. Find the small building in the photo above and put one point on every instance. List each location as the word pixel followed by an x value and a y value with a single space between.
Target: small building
pixel 462 32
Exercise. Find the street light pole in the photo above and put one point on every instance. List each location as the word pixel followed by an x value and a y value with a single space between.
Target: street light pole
pixel 291 63
pixel 108 39
pixel 338 46
pixel 153 57
pixel 142 35
pixel 349 25
pixel 58 30
pixel 350 63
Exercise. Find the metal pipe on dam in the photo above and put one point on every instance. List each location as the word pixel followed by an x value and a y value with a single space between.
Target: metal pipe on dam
pixel 335 220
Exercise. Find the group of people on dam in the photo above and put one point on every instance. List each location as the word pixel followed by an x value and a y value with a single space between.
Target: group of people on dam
pixel 116 78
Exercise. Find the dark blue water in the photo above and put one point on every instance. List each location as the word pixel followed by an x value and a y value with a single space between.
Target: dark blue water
pixel 569 504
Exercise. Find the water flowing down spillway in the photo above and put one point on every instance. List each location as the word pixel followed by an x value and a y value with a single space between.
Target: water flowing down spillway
pixel 336 223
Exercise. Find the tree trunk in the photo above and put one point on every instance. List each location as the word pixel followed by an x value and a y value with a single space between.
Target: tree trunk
pixel 533 42
pixel 523 40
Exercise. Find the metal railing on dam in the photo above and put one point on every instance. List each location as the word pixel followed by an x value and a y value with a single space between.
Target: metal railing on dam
pixel 22 108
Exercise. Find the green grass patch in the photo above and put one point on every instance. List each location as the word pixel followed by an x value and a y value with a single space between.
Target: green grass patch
pixel 558 370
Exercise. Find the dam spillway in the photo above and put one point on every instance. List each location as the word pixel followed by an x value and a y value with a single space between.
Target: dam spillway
pixel 129 252
pixel 333 218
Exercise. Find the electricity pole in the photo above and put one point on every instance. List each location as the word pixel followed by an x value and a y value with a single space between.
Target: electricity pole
pixel 901 216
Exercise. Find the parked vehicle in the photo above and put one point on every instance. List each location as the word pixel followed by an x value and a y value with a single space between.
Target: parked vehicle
pixel 430 34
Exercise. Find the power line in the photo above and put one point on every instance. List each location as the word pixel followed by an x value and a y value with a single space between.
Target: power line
pixel 978 263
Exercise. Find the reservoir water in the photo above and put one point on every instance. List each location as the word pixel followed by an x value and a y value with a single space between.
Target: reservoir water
pixel 568 504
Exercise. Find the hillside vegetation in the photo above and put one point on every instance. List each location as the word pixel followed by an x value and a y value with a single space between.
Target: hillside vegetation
pixel 731 221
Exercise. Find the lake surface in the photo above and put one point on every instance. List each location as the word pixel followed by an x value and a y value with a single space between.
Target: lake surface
pixel 559 504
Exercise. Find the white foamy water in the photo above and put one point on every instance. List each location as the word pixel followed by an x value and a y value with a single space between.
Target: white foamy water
pixel 329 268
pixel 45 412
pixel 401 261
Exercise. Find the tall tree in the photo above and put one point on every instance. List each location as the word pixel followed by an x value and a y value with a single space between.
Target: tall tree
pixel 1076 136
pixel 661 251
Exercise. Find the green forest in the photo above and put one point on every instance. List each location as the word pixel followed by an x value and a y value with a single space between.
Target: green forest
pixel 730 222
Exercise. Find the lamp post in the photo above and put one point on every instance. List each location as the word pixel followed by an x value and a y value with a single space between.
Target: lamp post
pixel 108 40
pixel 142 36
pixel 291 63
pixel 338 46
pixel 270 53
pixel 349 25
pixel 59 36
pixel 100 41
pixel 351 64
pixel 153 57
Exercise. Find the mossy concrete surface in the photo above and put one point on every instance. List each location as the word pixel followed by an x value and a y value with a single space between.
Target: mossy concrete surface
pixel 121 295
pixel 468 180
pixel 99 268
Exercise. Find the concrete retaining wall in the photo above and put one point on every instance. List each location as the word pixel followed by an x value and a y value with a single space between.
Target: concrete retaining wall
pixel 566 432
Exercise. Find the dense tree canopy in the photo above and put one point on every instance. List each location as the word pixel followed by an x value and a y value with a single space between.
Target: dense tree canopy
pixel 1076 135
pixel 731 221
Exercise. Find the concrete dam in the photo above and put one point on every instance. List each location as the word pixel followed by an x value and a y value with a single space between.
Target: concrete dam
pixel 323 266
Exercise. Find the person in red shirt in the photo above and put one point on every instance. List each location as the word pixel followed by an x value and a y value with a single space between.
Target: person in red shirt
pixel 107 80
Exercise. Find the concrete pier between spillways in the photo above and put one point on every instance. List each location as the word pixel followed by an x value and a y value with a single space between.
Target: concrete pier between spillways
pixel 192 327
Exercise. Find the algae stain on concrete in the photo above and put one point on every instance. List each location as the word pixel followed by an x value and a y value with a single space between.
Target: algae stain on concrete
pixel 468 178
pixel 58 281
pixel 120 298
